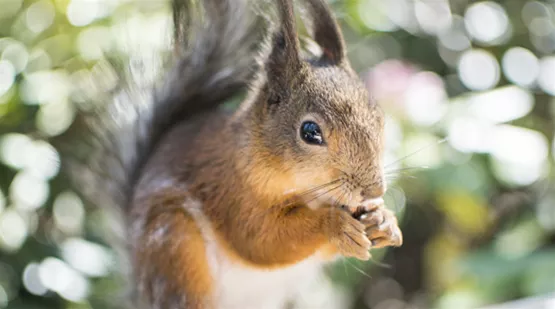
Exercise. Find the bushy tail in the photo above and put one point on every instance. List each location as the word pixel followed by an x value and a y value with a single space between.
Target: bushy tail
pixel 216 45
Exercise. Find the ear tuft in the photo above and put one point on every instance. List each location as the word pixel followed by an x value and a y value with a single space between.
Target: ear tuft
pixel 326 31
pixel 284 60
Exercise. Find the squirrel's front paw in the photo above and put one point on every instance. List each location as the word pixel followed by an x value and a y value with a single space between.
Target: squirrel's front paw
pixel 382 228
pixel 348 235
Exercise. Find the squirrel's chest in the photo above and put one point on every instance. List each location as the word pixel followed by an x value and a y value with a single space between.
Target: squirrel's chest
pixel 237 286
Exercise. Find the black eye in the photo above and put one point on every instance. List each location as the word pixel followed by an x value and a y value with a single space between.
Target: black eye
pixel 311 133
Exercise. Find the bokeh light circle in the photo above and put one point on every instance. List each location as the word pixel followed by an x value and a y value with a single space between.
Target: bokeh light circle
pixel 520 66
pixel 486 21
pixel 478 70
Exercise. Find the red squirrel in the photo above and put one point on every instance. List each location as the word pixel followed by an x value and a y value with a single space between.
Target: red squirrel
pixel 242 209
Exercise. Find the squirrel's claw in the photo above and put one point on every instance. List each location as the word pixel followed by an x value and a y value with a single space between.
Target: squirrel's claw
pixel 349 236
pixel 382 228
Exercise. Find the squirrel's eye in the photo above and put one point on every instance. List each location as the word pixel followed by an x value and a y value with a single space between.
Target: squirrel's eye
pixel 311 133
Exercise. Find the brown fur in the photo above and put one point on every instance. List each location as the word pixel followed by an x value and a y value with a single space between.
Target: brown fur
pixel 163 254
pixel 247 171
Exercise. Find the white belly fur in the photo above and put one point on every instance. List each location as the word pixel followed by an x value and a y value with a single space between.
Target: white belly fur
pixel 243 287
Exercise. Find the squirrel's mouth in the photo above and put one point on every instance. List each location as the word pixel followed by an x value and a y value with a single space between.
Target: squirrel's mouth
pixel 356 212
pixel 364 207
pixel 357 209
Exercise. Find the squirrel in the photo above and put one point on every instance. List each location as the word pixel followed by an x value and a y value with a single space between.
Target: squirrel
pixel 241 209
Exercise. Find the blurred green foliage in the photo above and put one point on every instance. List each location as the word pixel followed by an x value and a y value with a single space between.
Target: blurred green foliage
pixel 469 91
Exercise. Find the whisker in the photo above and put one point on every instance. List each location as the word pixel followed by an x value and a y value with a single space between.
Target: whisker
pixel 372 183
pixel 324 193
pixel 297 197
pixel 417 151
pixel 318 187
pixel 350 197
pixel 398 173
pixel 410 168
pixel 344 266
pixel 381 264
pixel 315 197
pixel 358 269
pixel 395 177
pixel 391 176
pixel 338 200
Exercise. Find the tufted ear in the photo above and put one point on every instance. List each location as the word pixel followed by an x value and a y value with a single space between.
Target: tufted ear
pixel 326 31
pixel 284 60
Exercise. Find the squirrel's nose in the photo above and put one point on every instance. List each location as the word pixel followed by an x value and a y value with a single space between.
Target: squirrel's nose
pixel 372 193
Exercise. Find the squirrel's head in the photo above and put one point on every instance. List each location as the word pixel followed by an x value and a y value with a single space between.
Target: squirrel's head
pixel 315 118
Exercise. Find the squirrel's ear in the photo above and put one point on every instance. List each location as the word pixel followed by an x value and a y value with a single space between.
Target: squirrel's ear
pixel 326 31
pixel 284 60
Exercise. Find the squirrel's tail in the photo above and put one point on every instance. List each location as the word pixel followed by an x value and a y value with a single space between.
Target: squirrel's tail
pixel 112 137
pixel 215 57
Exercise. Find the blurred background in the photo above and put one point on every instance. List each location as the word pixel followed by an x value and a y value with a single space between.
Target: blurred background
pixel 469 89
